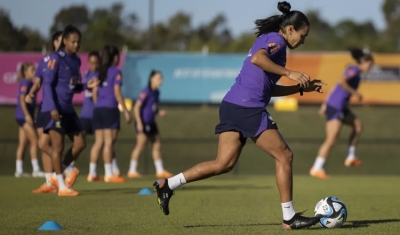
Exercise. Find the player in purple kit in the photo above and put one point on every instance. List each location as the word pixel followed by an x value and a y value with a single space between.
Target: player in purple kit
pixel 60 81
pixel 243 114
pixel 145 111
pixel 107 95
pixel 337 113
pixel 24 115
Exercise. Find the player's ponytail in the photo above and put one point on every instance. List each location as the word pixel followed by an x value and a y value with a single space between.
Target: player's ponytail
pixel 108 55
pixel 278 22
pixel 54 38
pixel 152 73
pixel 360 55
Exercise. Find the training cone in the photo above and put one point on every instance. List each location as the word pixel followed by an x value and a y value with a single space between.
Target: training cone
pixel 145 191
pixel 50 225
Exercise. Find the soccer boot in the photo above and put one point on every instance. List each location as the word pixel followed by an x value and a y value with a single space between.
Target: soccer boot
pixel 164 194
pixel 298 222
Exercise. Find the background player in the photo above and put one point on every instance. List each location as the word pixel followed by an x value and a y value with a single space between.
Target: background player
pixel 337 113
pixel 60 81
pixel 243 115
pixel 106 117
pixel 145 111
pixel 24 115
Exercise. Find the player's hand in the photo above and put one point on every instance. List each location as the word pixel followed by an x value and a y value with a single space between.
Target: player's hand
pixel 55 115
pixel 94 82
pixel 29 120
pixel 302 78
pixel 322 110
pixel 139 127
pixel 162 113
pixel 359 97
pixel 315 85
pixel 28 99
pixel 128 117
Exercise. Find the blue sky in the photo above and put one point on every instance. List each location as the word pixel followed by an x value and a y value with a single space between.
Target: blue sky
pixel 39 14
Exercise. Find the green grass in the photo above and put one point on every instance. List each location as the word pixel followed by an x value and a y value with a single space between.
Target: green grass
pixel 222 205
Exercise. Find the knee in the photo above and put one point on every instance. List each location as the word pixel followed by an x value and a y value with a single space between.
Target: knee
pixel 358 127
pixel 156 146
pixel 80 145
pixel 286 156
pixel 223 167
pixel 42 145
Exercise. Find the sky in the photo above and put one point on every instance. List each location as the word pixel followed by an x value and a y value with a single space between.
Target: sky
pixel 39 14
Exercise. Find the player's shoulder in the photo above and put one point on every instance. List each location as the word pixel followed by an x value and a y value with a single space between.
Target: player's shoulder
pixel 273 38
pixel 352 71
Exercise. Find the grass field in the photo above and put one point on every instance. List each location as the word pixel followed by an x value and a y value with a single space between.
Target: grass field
pixel 223 205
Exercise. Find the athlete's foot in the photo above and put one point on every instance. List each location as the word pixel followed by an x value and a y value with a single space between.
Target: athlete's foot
pixel 70 177
pixel 352 162
pixel 21 175
pixel 45 188
pixel 134 175
pixel 38 174
pixel 114 179
pixel 163 175
pixel 320 174
pixel 164 194
pixel 92 178
pixel 116 172
pixel 67 193
pixel 298 222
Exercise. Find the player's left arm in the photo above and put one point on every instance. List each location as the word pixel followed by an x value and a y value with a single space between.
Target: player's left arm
pixel 315 85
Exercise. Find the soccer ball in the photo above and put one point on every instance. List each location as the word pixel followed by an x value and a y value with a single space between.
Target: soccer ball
pixel 332 211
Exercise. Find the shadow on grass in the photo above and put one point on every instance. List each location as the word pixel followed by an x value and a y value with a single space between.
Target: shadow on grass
pixel 349 224
pixel 135 190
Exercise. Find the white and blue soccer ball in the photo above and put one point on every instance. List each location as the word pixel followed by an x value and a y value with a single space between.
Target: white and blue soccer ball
pixel 332 211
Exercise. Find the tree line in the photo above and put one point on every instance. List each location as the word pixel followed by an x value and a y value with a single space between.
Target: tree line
pixel 109 25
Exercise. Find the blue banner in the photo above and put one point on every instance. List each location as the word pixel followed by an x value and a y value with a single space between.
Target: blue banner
pixel 188 78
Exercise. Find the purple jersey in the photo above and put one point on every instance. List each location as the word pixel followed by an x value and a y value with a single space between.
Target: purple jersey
pixel 149 109
pixel 41 68
pixel 105 92
pixel 24 87
pixel 339 97
pixel 253 86
pixel 88 105
pixel 59 81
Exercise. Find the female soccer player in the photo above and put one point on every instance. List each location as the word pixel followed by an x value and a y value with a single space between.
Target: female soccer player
pixel 337 113
pixel 24 115
pixel 145 111
pixel 106 121
pixel 243 115
pixel 60 82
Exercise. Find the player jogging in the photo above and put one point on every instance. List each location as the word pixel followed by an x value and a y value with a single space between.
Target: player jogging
pixel 145 111
pixel 242 112
pixel 337 113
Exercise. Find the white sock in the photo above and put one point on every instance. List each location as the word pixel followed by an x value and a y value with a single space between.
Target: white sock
pixel 351 154
pixel 68 169
pixel 35 165
pixel 159 166
pixel 93 169
pixel 108 169
pixel 61 183
pixel 288 210
pixel 48 175
pixel 319 163
pixel 133 166
pixel 115 165
pixel 72 164
pixel 176 181
pixel 19 166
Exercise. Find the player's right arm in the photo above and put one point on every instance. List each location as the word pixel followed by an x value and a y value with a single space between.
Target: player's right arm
pixel 49 76
pixel 344 82
pixel 23 89
pixel 137 110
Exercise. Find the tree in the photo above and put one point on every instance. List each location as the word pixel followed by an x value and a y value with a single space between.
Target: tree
pixel 391 10
pixel 77 15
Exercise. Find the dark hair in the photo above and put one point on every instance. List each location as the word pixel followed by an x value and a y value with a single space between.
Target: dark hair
pixel 69 29
pixel 360 55
pixel 278 22
pixel 152 73
pixel 94 53
pixel 55 36
pixel 107 59
pixel 22 70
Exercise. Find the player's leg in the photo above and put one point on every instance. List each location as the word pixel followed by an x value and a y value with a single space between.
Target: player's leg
pixel 108 150
pixel 351 120
pixel 271 142
pixel 31 134
pixel 229 149
pixel 78 145
pixel 161 173
pixel 114 161
pixel 19 157
pixel 332 128
pixel 141 140
pixel 94 155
